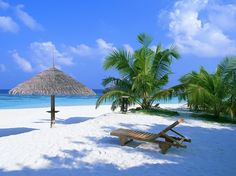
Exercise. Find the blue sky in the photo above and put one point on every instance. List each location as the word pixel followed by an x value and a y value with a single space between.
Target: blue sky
pixel 82 33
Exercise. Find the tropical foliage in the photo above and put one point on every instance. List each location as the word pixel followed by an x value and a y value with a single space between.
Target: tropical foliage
pixel 214 93
pixel 143 74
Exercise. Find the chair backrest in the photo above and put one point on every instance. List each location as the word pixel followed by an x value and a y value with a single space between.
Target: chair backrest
pixel 180 120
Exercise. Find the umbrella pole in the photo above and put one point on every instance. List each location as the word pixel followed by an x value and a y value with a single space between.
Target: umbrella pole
pixel 52 110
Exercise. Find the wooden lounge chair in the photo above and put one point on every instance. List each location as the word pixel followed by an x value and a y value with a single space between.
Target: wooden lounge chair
pixel 126 136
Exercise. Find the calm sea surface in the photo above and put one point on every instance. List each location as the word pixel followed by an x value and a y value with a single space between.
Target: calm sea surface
pixel 18 101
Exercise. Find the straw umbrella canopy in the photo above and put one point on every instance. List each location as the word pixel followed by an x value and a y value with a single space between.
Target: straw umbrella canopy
pixel 52 82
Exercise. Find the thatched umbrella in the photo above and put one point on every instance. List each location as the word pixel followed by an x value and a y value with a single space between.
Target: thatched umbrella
pixel 52 82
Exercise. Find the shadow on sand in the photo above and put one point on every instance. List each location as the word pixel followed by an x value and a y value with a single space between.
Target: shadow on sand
pixel 14 131
pixel 215 158
pixel 68 121
pixel 73 120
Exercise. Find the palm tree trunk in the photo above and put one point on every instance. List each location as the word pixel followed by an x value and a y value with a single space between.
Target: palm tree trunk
pixel 216 111
pixel 146 104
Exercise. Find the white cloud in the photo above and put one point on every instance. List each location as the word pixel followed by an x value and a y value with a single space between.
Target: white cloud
pixel 199 27
pixel 104 46
pixel 2 68
pixel 22 63
pixel 7 24
pixel 81 50
pixel 223 16
pixel 101 49
pixel 4 5
pixel 128 48
pixel 42 54
pixel 26 19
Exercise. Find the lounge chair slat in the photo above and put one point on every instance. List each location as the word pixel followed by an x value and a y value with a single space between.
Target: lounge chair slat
pixel 177 133
pixel 173 125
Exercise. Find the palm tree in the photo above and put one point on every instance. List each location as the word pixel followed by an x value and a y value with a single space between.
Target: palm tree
pixel 214 93
pixel 142 74
pixel 205 92
pixel 228 70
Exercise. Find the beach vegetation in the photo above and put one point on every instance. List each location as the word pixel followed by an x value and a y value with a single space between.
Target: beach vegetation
pixel 143 74
pixel 211 118
pixel 213 93
pixel 155 111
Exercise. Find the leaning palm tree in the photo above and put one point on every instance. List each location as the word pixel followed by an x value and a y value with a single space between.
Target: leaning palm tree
pixel 143 74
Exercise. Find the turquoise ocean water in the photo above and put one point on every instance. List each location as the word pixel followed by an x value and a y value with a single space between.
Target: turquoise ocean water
pixel 18 101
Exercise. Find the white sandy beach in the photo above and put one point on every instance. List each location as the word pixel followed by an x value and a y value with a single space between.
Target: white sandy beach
pixel 80 144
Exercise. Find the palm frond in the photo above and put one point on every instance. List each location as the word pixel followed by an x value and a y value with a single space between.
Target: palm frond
pixel 162 61
pixel 119 60
pixel 144 39
pixel 110 95
pixel 110 80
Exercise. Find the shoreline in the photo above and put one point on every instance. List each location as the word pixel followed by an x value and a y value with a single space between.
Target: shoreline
pixel 162 105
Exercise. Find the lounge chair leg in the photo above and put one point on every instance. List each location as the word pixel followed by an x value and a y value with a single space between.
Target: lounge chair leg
pixel 164 147
pixel 124 140
pixel 168 140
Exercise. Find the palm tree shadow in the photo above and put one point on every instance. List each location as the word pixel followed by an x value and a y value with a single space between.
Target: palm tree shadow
pixel 74 161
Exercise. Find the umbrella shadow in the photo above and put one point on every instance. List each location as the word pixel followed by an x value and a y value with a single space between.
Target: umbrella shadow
pixel 4 132
pixel 43 121
pixel 68 121
pixel 73 120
